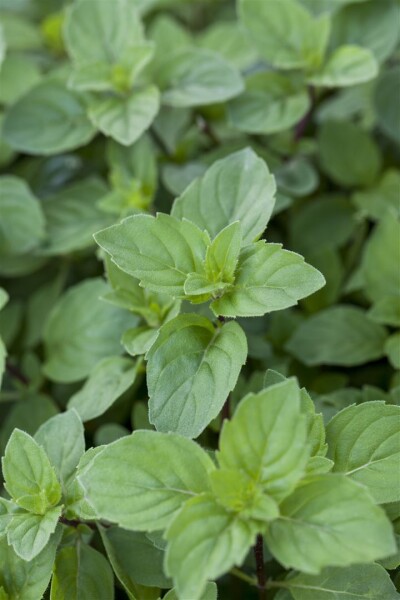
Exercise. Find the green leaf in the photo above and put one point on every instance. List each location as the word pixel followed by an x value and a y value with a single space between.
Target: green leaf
pixel 28 534
pixel 71 222
pixel 49 119
pixel 267 279
pixel 371 582
pixel 140 481
pixel 230 41
pixel 160 251
pixel 100 32
pixel 339 335
pixel 369 26
pixel 19 73
pixel 29 477
pixel 385 103
pixel 81 331
pixel 380 275
pixel 192 366
pixel 139 340
pixel 205 541
pixel 270 103
pixel 381 200
pixel 197 77
pixel 392 350
pixel 27 580
pixel 266 439
pixel 223 254
pixel 348 154
pixel 364 443
pixel 348 65
pixel 135 559
pixel 81 573
pixel 325 522
pixel 295 39
pixel 22 224
pixel 110 378
pixel 62 438
pixel 125 118
pixel 236 188
pixel 210 593
pixel 386 311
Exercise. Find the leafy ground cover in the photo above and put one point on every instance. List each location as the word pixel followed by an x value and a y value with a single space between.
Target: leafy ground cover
pixel 200 299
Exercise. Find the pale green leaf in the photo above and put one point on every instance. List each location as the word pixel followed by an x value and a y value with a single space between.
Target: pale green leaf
pixel 29 477
pixel 325 522
pixel 386 310
pixel 266 439
pixel 210 593
pixel 230 41
pixel 223 254
pixel 18 74
pixel 370 582
pixel 382 199
pixel 139 340
pixel 196 77
pixel 348 155
pixel 267 279
pixel 348 65
pixel 22 223
pixel 270 103
pixel 100 32
pixel 110 378
pixel 295 38
pixel 364 443
pixel 125 118
pixel 27 580
pixel 140 481
pixel 81 573
pixel 205 541
pixel 62 438
pixel 192 366
pixel 81 331
pixel 160 251
pixel 236 188
pixel 28 533
pixel 49 119
pixel 340 335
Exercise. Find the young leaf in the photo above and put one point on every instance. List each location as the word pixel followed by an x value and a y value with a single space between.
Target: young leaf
pixel 267 279
pixel 339 335
pixel 140 481
pixel 28 534
pixel 266 439
pixel 196 77
pixel 295 39
pixel 27 580
pixel 205 541
pixel 125 118
pixel 81 573
pixel 192 366
pixel 62 438
pixel 29 477
pixel 160 251
pixel 364 443
pixel 139 340
pixel 236 188
pixel 81 331
pixel 22 224
pixel 325 522
pixel 347 66
pixel 109 379
pixel 370 582
pixel 223 254
pixel 49 119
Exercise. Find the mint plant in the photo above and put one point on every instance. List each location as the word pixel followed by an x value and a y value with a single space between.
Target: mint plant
pixel 199 300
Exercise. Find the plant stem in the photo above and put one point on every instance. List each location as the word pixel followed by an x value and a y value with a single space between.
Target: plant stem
pixel 259 556
pixel 244 577
pixel 15 372
pixel 205 127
